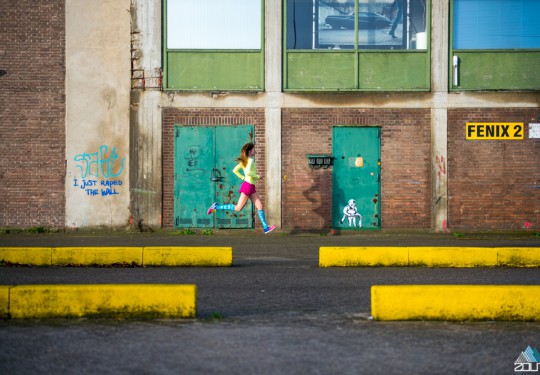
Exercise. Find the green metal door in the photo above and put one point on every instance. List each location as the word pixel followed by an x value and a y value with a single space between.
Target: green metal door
pixel 204 160
pixel 356 178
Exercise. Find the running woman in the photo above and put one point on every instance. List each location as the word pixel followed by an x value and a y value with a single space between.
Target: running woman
pixel 247 189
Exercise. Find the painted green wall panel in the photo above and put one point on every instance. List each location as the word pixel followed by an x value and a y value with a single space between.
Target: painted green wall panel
pixel 320 71
pixel 394 71
pixel 210 70
pixel 498 70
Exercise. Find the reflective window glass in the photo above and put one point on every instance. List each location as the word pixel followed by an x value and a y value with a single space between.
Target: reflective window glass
pixel 214 24
pixel 334 24
pixel 496 24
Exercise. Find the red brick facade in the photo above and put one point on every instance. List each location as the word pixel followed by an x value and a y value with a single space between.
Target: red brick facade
pixel 492 184
pixel 32 113
pixel 206 117
pixel 405 169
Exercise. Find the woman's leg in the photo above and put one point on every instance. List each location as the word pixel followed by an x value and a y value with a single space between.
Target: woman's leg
pixel 241 202
pixel 258 203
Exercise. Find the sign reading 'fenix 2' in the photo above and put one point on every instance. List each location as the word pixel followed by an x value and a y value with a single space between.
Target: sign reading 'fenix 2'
pixel 495 130
pixel 528 361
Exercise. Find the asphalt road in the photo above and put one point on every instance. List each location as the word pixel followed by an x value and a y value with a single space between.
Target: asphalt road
pixel 274 312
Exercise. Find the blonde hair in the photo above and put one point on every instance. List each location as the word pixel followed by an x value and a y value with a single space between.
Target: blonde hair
pixel 244 153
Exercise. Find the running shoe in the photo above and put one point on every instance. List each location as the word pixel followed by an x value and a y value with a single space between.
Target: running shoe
pixel 269 229
pixel 212 208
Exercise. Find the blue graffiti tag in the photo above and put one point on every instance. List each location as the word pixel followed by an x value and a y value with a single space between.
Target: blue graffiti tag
pixel 98 164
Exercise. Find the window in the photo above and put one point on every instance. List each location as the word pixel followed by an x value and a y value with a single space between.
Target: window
pixel 381 24
pixel 213 45
pixel 213 24
pixel 496 24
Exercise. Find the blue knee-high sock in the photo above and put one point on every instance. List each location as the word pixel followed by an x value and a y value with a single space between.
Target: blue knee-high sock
pixel 263 219
pixel 225 206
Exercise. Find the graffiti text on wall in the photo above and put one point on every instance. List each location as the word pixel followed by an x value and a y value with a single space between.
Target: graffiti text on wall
pixel 99 172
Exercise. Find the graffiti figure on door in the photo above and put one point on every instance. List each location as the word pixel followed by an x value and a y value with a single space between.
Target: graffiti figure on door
pixel 191 155
pixel 351 212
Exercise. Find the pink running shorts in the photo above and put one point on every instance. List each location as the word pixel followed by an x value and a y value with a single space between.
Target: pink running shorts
pixel 247 188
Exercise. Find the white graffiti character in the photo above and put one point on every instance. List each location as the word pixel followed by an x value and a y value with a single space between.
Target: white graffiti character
pixel 351 212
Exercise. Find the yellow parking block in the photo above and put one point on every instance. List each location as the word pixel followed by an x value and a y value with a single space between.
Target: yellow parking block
pixel 4 301
pixel 101 256
pixel 456 302
pixel 430 256
pixel 102 301
pixel 187 256
pixel 519 257
pixel 453 256
pixel 36 256
pixel 362 256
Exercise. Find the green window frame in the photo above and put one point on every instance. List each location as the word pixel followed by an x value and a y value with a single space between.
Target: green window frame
pixel 358 66
pixel 485 69
pixel 210 68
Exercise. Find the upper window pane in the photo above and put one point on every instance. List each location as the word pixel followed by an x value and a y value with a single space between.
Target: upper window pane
pixel 381 24
pixel 214 24
pixel 496 24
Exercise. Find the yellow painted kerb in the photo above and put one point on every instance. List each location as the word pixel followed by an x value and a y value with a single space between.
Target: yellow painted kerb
pixel 36 256
pixel 4 301
pixel 102 301
pixel 103 255
pixel 456 302
pixel 430 256
pixel 187 256
pixel 363 256
pixel 453 256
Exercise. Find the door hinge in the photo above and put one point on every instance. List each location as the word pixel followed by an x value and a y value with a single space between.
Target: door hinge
pixel 177 132
pixel 177 221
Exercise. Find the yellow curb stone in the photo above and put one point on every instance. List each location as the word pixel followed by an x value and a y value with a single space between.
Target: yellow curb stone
pixel 102 256
pixel 4 301
pixel 363 256
pixel 519 257
pixel 456 302
pixel 452 256
pixel 187 256
pixel 103 301
pixel 36 256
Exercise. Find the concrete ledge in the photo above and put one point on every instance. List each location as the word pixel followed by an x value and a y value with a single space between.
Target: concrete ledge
pixel 434 256
pixel 114 256
pixel 101 301
pixel 4 301
pixel 35 256
pixel 456 302
pixel 187 256
pixel 453 256
pixel 363 256
pixel 89 256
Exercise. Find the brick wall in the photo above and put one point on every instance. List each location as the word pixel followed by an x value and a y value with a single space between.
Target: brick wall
pixel 492 184
pixel 32 113
pixel 207 117
pixel 405 168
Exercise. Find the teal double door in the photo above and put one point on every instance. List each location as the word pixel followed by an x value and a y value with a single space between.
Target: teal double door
pixel 356 177
pixel 203 173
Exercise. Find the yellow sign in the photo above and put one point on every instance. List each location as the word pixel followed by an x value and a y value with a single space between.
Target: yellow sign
pixel 495 130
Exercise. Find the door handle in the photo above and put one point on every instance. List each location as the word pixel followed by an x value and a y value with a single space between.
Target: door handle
pixel 216 175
